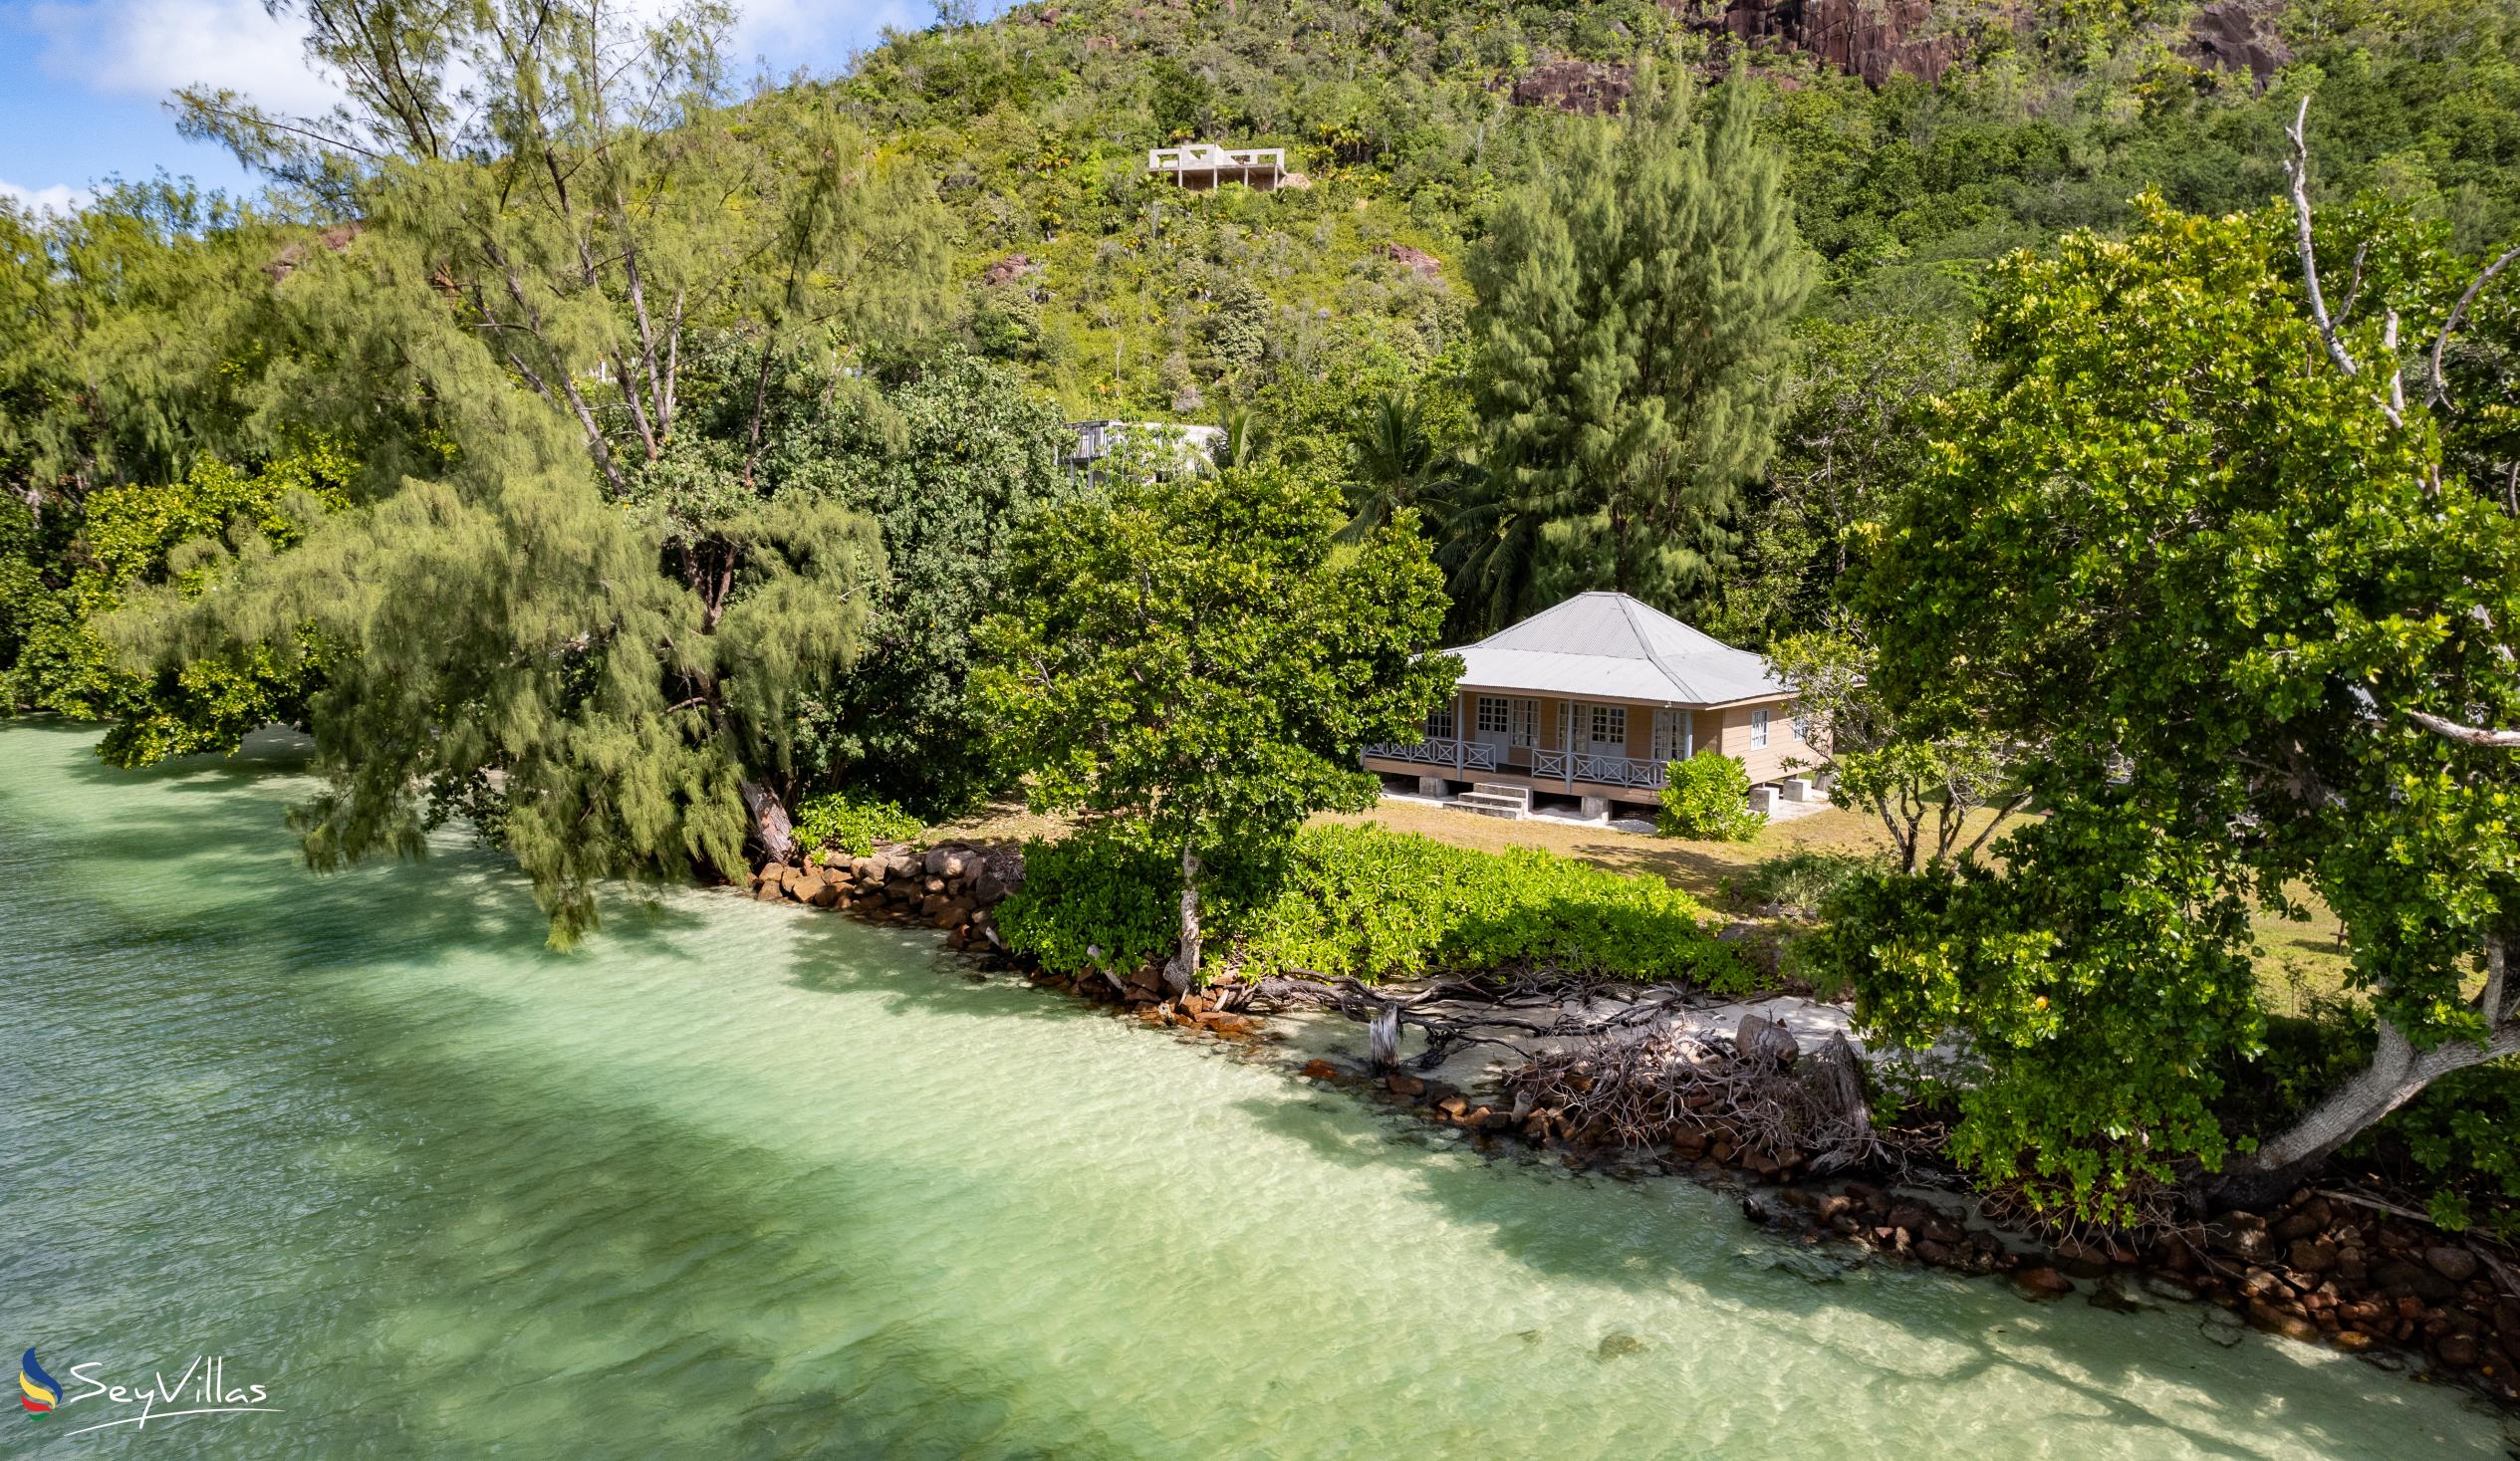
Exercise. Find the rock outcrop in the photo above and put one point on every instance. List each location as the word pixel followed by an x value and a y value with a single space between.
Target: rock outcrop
pixel 1872 38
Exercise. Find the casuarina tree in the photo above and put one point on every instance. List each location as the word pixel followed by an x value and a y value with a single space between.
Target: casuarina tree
pixel 1635 299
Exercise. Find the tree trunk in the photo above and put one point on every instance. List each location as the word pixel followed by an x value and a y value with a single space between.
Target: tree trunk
pixel 2396 1074
pixel 769 820
pixel 1183 971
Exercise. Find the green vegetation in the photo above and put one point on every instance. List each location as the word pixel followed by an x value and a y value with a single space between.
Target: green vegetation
pixel 840 822
pixel 1799 882
pixel 1361 902
pixel 2173 437
pixel 1191 662
pixel 1707 797
pixel 576 446
pixel 1634 301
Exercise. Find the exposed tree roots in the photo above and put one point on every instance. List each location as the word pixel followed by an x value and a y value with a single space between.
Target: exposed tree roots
pixel 1612 1064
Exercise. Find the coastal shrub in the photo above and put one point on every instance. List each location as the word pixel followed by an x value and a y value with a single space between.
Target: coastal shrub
pixel 1800 882
pixel 1377 904
pixel 843 824
pixel 2461 1141
pixel 1708 798
pixel 1092 891
pixel 1367 903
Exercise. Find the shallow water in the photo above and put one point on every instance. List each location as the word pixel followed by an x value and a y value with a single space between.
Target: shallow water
pixel 735 1182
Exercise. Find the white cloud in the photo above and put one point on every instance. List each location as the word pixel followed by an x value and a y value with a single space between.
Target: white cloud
pixel 149 48
pixel 61 198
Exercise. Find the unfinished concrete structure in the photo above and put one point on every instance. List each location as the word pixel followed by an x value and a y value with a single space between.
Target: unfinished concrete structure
pixel 1200 166
pixel 1164 448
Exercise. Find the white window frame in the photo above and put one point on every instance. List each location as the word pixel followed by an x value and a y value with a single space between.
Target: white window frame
pixel 1674 732
pixel 1610 717
pixel 1758 730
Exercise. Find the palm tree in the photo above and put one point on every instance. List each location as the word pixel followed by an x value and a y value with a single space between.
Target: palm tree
pixel 1397 464
pixel 1488 545
pixel 1246 438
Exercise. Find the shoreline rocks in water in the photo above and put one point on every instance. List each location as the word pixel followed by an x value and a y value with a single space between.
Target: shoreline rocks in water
pixel 2326 1267
pixel 950 887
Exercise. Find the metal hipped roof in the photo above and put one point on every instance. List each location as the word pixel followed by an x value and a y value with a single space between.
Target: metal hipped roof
pixel 1604 646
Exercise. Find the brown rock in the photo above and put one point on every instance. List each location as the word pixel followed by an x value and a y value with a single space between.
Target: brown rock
pixel 2041 1282
pixel 2308 1257
pixel 1417 261
pixel 826 895
pixel 2274 1320
pixel 1401 1085
pixel 2236 35
pixel 1009 269
pixel 2451 1262
pixel 769 892
pixel 2457 1352
pixel 1587 88
pixel 1872 38
pixel 2081 1259
pixel 1320 1071
pixel 2403 1279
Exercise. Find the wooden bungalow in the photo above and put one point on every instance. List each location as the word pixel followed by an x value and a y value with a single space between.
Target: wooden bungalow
pixel 1594 699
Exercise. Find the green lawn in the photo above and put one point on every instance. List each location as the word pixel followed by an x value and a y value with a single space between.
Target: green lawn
pixel 2296 959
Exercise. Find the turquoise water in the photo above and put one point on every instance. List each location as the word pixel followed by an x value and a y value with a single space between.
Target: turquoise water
pixel 735 1182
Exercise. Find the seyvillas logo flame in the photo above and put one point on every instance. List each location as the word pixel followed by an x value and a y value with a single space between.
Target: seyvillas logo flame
pixel 37 1391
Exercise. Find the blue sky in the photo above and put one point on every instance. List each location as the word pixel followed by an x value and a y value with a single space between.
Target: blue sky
pixel 83 82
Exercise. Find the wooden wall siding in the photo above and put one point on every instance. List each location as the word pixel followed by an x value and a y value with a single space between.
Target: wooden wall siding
pixel 1725 732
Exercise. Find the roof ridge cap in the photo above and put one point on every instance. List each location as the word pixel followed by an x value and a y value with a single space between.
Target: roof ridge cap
pixel 1627 609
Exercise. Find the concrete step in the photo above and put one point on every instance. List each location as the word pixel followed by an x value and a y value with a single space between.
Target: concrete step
pixel 1519 796
pixel 1488 804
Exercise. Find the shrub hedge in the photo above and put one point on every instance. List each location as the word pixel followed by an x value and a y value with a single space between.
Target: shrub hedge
pixel 1708 798
pixel 1371 904
pixel 848 825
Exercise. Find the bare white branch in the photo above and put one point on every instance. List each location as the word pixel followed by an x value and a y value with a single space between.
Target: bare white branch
pixel 2465 735
pixel 2441 391
pixel 2297 167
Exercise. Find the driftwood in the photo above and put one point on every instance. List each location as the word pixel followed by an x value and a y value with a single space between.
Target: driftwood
pixel 1455 1015
pixel 1677 1085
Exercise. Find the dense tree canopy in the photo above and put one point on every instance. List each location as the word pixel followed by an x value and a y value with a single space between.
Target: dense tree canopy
pixel 2226 583
pixel 1194 663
